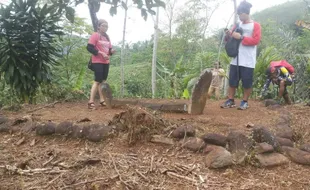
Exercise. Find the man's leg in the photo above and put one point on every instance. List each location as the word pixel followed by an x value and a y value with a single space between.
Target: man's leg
pixel 281 89
pixel 286 97
pixel 233 84
pixel 217 93
pixel 246 93
pixel 247 83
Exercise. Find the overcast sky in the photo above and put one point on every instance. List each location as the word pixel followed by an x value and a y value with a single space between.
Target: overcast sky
pixel 138 29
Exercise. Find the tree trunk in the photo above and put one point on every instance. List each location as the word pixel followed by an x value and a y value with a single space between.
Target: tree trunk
pixel 123 53
pixel 155 54
pixel 235 8
pixel 92 12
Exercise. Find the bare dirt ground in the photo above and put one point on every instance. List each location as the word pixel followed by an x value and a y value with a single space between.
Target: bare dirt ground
pixel 113 164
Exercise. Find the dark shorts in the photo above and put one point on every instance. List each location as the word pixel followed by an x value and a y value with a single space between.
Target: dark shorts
pixel 101 71
pixel 245 75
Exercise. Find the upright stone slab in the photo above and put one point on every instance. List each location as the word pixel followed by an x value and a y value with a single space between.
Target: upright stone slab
pixel 107 94
pixel 200 92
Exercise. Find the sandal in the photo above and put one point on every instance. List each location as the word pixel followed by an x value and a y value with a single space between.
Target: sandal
pixel 103 103
pixel 91 105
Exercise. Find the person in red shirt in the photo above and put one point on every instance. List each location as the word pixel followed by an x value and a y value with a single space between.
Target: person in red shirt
pixel 100 47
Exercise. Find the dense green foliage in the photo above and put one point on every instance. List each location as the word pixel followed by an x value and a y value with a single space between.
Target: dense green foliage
pixel 182 55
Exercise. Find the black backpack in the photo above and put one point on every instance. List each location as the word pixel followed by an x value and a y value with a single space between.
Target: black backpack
pixel 232 44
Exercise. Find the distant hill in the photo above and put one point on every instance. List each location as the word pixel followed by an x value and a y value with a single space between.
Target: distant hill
pixel 286 13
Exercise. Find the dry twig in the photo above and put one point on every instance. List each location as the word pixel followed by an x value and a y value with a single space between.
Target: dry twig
pixel 48 105
pixel 119 175
pixel 172 174
pixel 14 169
pixel 143 176
pixel 85 182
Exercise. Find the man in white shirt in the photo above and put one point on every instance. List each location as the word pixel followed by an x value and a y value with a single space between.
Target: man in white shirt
pixel 246 58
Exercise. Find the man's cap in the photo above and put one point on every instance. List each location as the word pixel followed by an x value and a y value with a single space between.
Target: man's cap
pixel 244 7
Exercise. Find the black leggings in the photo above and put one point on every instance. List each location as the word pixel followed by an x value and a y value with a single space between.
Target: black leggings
pixel 101 71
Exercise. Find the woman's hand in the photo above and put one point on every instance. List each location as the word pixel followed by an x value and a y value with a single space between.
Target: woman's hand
pixel 104 55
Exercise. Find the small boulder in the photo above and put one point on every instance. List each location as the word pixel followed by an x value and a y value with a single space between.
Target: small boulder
pixel 297 156
pixel 4 128
pixel 77 131
pixel 285 142
pixel 305 147
pixel 216 139
pixel 284 131
pixel 100 133
pixel 64 128
pixel 193 143
pixel 284 120
pixel 46 128
pixel 275 107
pixel 28 127
pixel 3 119
pixel 239 145
pixel 262 134
pixel 209 147
pixel 183 131
pixel 219 157
pixel 264 148
pixel 271 159
pixel 270 102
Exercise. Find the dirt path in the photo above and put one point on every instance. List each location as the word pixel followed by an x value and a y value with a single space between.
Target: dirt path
pixel 113 164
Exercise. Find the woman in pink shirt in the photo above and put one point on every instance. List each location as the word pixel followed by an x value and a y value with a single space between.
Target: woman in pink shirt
pixel 100 47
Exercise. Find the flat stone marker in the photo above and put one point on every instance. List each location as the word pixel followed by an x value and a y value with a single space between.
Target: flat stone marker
pixel 200 92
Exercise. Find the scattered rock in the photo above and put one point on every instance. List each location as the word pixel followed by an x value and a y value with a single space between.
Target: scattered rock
pixel 296 155
pixel 77 131
pixel 262 134
pixel 238 141
pixel 3 119
pixel 216 139
pixel 271 159
pixel 274 107
pixel 284 131
pixel 46 129
pixel 4 128
pixel 264 148
pixel 33 142
pixel 28 127
pixel 64 128
pixel 219 157
pixel 305 147
pixel 270 102
pixel 285 112
pixel 162 140
pixel 209 147
pixel 86 129
pixel 98 132
pixel 193 143
pixel 21 141
pixel 239 145
pixel 250 125
pixel 284 120
pixel 21 120
pixel 84 120
pixel 285 142
pixel 182 131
